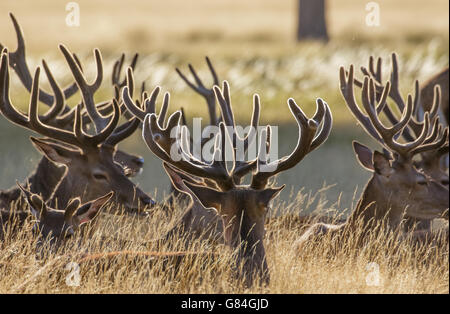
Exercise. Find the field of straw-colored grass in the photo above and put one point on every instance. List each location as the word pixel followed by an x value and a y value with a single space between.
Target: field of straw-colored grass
pixel 382 266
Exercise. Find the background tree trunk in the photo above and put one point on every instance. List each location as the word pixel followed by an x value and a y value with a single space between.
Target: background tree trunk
pixel 311 20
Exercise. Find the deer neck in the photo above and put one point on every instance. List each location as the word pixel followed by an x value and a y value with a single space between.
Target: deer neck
pixel 42 181
pixel 251 254
pixel 370 207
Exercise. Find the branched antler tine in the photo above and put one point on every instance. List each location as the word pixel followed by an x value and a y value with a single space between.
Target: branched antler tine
pixel 372 72
pixel 436 102
pixel 262 147
pixel 440 145
pixel 207 171
pixel 184 147
pixel 227 97
pixel 326 125
pixel 183 117
pixel 130 81
pixel 109 129
pixel 164 109
pixel 131 106
pixel 196 77
pixel 58 104
pixel 6 108
pixel 173 120
pixel 395 88
pixel 144 96
pixel 163 137
pixel 227 118
pixel 17 58
pixel 150 103
pixel 408 150
pixel 184 142
pixel 143 89
pixel 435 132
pixel 223 147
pixel 36 125
pixel 377 73
pixel 382 98
pixel 320 111
pixel 117 69
pixel 213 71
pixel 346 87
pixel 123 131
pixel 249 138
pixel 87 90
pixel 307 130
pixel 18 63
pixel 184 78
pixel 386 133
pixel 416 98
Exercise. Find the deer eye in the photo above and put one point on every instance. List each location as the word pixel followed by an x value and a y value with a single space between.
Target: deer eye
pixel 100 177
pixel 422 182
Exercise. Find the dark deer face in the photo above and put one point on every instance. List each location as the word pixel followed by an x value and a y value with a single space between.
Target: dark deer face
pixel 243 211
pixel 93 173
pixel 59 225
pixel 434 165
pixel 401 188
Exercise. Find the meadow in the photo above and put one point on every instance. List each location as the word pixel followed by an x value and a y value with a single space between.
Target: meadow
pixel 251 44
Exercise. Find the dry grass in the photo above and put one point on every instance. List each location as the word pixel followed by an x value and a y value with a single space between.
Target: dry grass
pixel 319 268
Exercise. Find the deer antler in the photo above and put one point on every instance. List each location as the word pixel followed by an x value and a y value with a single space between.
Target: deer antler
pixel 108 135
pixel 384 135
pixel 309 138
pixel 199 87
pixel 415 123
pixel 17 61
pixel 217 170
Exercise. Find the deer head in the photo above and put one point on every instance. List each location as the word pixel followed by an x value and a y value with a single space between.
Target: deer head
pixel 91 169
pixel 397 189
pixel 242 208
pixel 431 161
pixel 56 101
pixel 57 226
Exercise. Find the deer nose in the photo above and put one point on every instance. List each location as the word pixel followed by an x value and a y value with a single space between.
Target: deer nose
pixel 147 201
pixel 139 161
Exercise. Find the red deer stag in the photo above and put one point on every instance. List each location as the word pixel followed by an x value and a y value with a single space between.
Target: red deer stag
pixel 396 190
pixel 242 208
pixel 435 101
pixel 17 61
pixel 91 170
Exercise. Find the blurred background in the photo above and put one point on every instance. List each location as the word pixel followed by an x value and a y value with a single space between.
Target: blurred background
pixel 270 47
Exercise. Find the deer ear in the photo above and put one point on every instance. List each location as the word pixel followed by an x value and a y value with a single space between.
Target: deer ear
pixel 71 208
pixel 265 196
pixel 364 155
pixel 37 206
pixel 90 211
pixel 381 164
pixel 177 177
pixel 53 152
pixel 208 197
